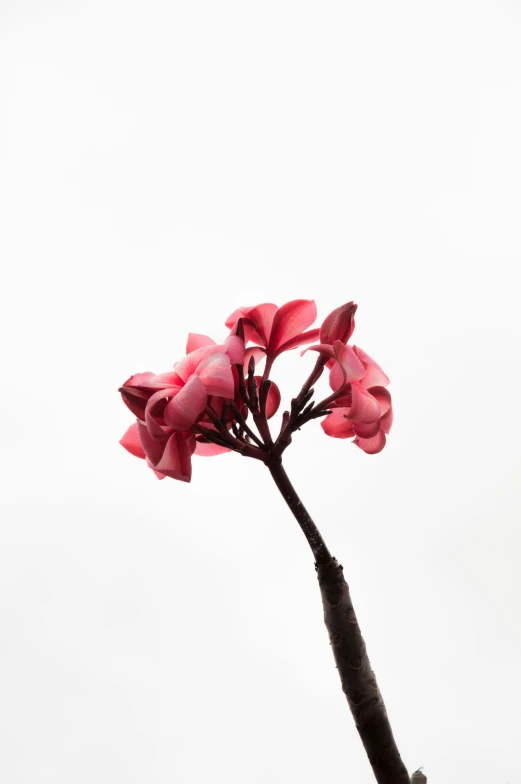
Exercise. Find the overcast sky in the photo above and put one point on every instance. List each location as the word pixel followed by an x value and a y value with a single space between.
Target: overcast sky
pixel 160 165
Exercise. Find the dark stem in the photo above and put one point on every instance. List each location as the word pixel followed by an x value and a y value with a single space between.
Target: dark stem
pixel 311 532
pixel 358 680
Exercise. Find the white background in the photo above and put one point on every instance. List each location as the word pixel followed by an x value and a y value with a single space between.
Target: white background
pixel 162 164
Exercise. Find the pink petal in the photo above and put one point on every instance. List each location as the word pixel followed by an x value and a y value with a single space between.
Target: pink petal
pixel 154 428
pixel 138 379
pixel 196 341
pixel 364 407
pixel 159 476
pixel 348 367
pixel 152 447
pixel 366 431
pixel 386 421
pixel 184 408
pixel 290 320
pixel 336 425
pixel 262 317
pixel 208 450
pixel 164 380
pixel 374 374
pixel 175 461
pixel 186 366
pixel 371 445
pixel 135 402
pixel 234 317
pixel 299 340
pixel 234 348
pixel 383 396
pixel 323 348
pixel 216 374
pixel 131 442
pixel 339 325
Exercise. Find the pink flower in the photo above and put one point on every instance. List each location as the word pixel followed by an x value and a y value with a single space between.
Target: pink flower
pixel 168 404
pixel 364 409
pixel 277 329
pixel 339 325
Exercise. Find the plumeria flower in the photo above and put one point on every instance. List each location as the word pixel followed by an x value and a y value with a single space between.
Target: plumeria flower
pixel 277 329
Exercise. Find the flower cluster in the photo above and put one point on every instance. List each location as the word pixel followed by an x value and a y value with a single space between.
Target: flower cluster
pixel 203 404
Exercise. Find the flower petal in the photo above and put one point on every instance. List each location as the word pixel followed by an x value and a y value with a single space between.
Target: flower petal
pixel 262 317
pixel 234 347
pixel 175 461
pixel 187 365
pixel 159 475
pixel 339 325
pixel 184 408
pixel 216 374
pixel 154 428
pixel 348 367
pixel 371 445
pixel 208 450
pixel 367 431
pixel 374 375
pixel 337 425
pixel 138 379
pixel 290 320
pixel 151 446
pixel 196 341
pixel 364 407
pixel 386 421
pixel 131 442
pixel 299 340
pixel 383 396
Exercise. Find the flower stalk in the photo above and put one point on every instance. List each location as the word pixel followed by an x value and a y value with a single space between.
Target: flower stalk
pixel 202 407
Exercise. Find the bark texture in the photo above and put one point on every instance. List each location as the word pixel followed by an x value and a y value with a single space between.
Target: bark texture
pixel 358 680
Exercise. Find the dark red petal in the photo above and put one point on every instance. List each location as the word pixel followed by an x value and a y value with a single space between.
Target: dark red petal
pixel 291 320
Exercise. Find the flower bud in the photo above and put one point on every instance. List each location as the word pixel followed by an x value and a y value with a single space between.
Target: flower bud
pixel 339 325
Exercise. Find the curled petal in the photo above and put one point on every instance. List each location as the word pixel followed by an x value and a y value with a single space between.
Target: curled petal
pixel 154 428
pixel 374 375
pixel 187 366
pixel 262 317
pixel 383 396
pixel 364 407
pixel 299 340
pixel 157 473
pixel 386 421
pixel 138 379
pixel 135 400
pixel 208 450
pixel 151 446
pixel 366 431
pixel 337 425
pixel 216 374
pixel 164 380
pixel 348 367
pixel 371 445
pixel 175 461
pixel 234 348
pixel 184 408
pixel 291 320
pixel 196 341
pixel 131 442
pixel 323 348
pixel 339 325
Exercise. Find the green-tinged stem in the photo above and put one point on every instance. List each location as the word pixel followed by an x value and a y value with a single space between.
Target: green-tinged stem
pixel 358 680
